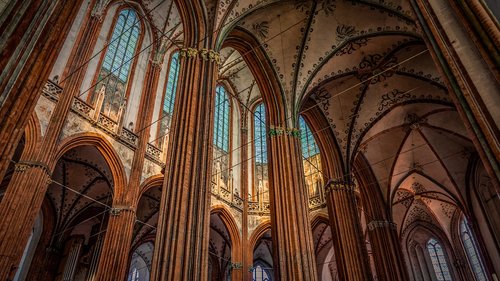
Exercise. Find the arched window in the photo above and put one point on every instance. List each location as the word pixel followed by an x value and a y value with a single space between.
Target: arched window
pixel 221 171
pixel 438 260
pixel 221 119
pixel 260 273
pixel 260 150
pixel 472 251
pixel 115 70
pixel 311 158
pixel 169 97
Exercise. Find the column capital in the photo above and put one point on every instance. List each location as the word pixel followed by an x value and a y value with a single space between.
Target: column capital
pixel 116 210
pixel 339 185
pixel 205 54
pixel 380 224
pixel 281 131
pixel 23 166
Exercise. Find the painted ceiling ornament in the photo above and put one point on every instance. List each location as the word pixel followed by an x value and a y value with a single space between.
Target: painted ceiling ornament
pixel 328 6
pixel 302 5
pixel 345 31
pixel 392 98
pixel 261 28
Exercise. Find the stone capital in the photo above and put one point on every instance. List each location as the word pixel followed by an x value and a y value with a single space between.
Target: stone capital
pixel 275 131
pixel 380 224
pixel 339 185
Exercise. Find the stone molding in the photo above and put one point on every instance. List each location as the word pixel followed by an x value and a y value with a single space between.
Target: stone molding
pixel 339 185
pixel 204 54
pixel 381 224
pixel 280 131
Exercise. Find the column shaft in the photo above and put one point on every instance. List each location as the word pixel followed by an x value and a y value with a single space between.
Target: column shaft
pixel 293 248
pixel 21 87
pixel 387 252
pixel 348 242
pixel 27 188
pixel 181 250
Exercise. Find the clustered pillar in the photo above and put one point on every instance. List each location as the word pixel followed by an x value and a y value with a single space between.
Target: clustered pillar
pixel 386 250
pixel 293 250
pixel 181 247
pixel 348 242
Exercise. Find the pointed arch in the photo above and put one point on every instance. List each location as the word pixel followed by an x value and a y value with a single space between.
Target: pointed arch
pixel 107 151
pixel 32 135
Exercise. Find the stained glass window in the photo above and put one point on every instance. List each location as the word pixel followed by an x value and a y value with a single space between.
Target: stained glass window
pixel 169 98
pixel 222 174
pixel 311 158
pixel 260 134
pixel 438 260
pixel 115 69
pixel 221 119
pixel 472 251
pixel 260 274
pixel 260 191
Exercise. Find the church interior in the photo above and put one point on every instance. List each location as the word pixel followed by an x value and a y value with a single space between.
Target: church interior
pixel 250 140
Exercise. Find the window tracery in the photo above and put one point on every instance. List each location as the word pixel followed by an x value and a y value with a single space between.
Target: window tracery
pixel 472 251
pixel 222 174
pixel 169 97
pixel 311 159
pixel 260 155
pixel 438 259
pixel 115 69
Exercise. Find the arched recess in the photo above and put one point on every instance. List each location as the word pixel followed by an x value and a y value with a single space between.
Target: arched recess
pixel 323 248
pixel 260 251
pixel 220 212
pixel 107 151
pixel 41 267
pixel 418 259
pixel 144 232
pixel 263 72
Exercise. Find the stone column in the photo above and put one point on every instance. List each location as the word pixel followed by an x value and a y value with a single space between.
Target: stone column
pixel 114 259
pixel 181 250
pixel 387 253
pixel 348 242
pixel 293 248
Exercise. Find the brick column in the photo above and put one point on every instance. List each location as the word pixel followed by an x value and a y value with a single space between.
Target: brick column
pixel 348 242
pixel 293 248
pixel 181 249
pixel 27 188
pixel 20 87
pixel 387 253
pixel 247 256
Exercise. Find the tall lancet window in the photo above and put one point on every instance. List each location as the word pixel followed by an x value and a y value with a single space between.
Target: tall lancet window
pixel 260 190
pixel 115 70
pixel 221 171
pixel 169 98
pixel 472 251
pixel 311 159
pixel 438 260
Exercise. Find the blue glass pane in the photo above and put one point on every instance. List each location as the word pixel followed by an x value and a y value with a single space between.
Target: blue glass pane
pixel 121 48
pixel 173 76
pixel 260 134
pixel 472 251
pixel 221 119
pixel 438 260
pixel 309 146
